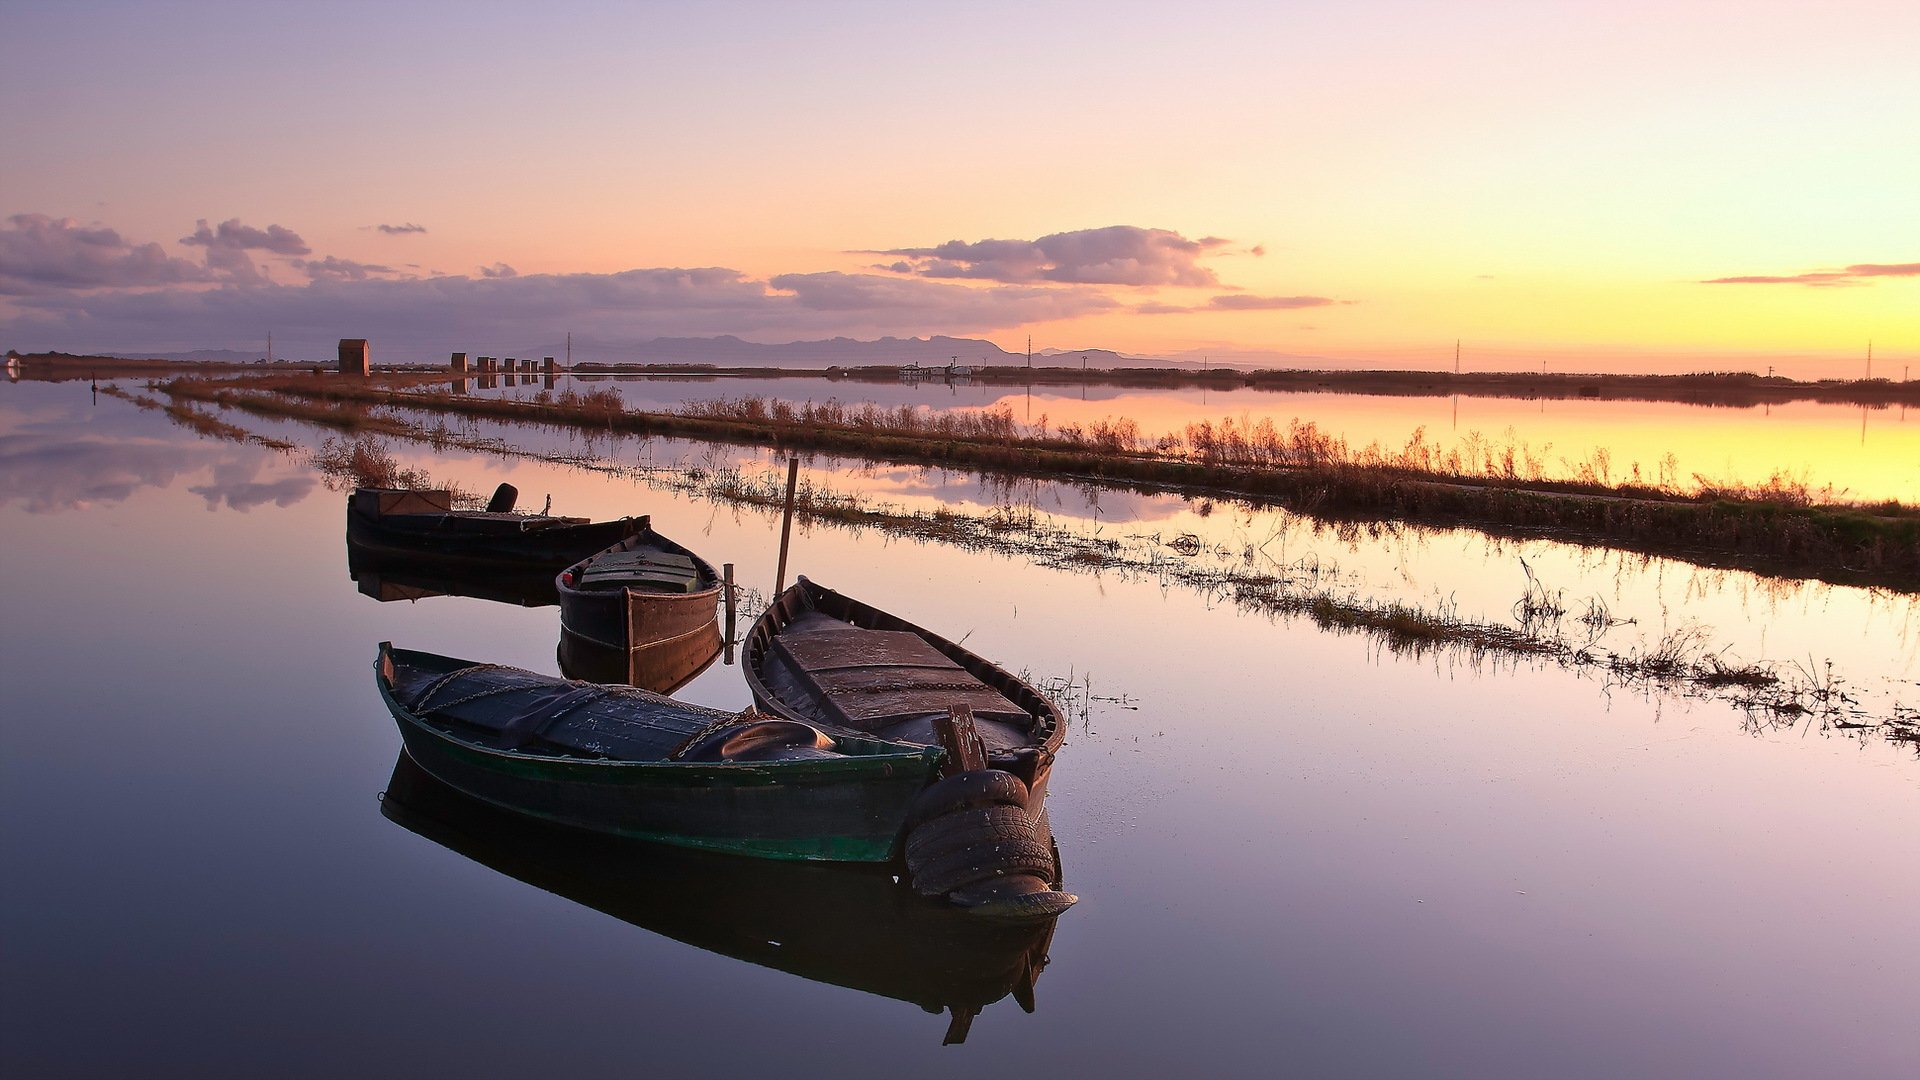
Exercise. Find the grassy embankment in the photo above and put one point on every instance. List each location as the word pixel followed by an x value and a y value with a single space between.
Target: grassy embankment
pixel 1778 527
pixel 1547 625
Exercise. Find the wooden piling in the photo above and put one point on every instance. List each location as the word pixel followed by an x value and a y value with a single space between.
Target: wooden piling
pixel 786 526
pixel 726 576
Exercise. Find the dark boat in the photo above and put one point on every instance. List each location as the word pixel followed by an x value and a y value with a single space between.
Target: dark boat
pixel 386 576
pixel 819 657
pixel 394 522
pixel 640 591
pixel 621 760
pixel 849 926
pixel 662 666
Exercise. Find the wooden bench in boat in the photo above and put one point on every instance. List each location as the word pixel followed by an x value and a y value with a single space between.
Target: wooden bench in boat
pixel 658 571
pixel 892 683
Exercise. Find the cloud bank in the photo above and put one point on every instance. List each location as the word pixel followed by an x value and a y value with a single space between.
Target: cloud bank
pixel 448 312
pixel 41 255
pixel 1852 275
pixel 1240 302
pixel 1115 255
pixel 88 288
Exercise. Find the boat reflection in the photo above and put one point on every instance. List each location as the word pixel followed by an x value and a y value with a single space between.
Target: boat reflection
pixel 847 926
pixel 387 577
pixel 660 666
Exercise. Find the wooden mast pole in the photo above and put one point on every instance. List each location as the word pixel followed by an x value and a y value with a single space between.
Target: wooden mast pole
pixel 786 526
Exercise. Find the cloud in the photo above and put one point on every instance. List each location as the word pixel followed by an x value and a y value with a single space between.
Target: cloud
pixel 227 246
pixel 53 471
pixel 499 270
pixel 231 234
pixel 40 254
pixel 1852 275
pixel 1911 269
pixel 1115 255
pixel 1241 302
pixel 1244 302
pixel 237 485
pixel 401 230
pixel 335 269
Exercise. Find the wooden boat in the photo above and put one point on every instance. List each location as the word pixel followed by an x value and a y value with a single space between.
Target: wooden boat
pixel 822 658
pixel 424 523
pixel 621 760
pixel 662 666
pixel 640 591
pixel 844 925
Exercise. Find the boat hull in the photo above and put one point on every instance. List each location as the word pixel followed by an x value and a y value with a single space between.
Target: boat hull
pixel 849 926
pixel 1033 763
pixel 661 666
pixel 842 809
pixel 443 538
pixel 625 618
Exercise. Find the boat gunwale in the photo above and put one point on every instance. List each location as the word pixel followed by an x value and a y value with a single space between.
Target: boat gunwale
pixel 406 535
pixel 609 769
pixel 777 618
pixel 626 598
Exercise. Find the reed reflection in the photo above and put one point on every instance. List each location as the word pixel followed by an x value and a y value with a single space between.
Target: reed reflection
pixel 849 926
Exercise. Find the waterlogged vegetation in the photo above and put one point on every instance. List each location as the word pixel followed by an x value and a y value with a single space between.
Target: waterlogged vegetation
pixel 1546 624
pixel 1780 525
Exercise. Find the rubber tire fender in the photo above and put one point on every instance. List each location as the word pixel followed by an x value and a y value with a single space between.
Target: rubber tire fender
pixel 963 791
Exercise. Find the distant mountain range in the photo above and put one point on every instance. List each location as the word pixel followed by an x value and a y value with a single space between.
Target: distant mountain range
pixel 838 352
pixel 730 351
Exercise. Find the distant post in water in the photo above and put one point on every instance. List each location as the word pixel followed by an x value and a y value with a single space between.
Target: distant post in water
pixel 354 357
pixel 459 364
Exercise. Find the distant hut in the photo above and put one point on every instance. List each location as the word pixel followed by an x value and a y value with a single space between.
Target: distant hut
pixel 460 362
pixel 354 357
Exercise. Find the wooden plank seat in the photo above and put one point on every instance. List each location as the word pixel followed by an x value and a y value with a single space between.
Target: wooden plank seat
pixel 657 571
pixel 892 683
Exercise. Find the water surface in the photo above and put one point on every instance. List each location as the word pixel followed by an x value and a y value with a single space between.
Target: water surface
pixel 1297 852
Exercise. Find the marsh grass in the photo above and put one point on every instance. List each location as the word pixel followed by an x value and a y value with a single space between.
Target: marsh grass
pixel 194 420
pixel 1498 488
pixel 1680 661
pixel 366 461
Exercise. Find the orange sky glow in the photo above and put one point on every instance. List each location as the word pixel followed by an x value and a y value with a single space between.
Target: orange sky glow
pixel 1603 187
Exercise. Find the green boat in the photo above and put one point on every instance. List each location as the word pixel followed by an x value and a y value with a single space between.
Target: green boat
pixel 621 760
pixel 846 925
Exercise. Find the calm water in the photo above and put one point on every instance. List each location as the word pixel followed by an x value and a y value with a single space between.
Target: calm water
pixel 1298 854
pixel 1864 453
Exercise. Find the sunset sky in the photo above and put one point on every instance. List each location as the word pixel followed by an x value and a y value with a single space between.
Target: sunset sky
pixel 1609 185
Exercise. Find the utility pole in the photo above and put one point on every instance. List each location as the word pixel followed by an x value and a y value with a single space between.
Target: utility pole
pixel 569 350
pixel 1456 356
pixel 1869 358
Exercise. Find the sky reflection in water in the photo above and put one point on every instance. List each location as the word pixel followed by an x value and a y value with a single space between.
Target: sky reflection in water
pixel 1293 849
pixel 1863 452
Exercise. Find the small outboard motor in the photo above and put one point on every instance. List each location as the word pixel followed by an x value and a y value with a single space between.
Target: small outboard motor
pixel 504 497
